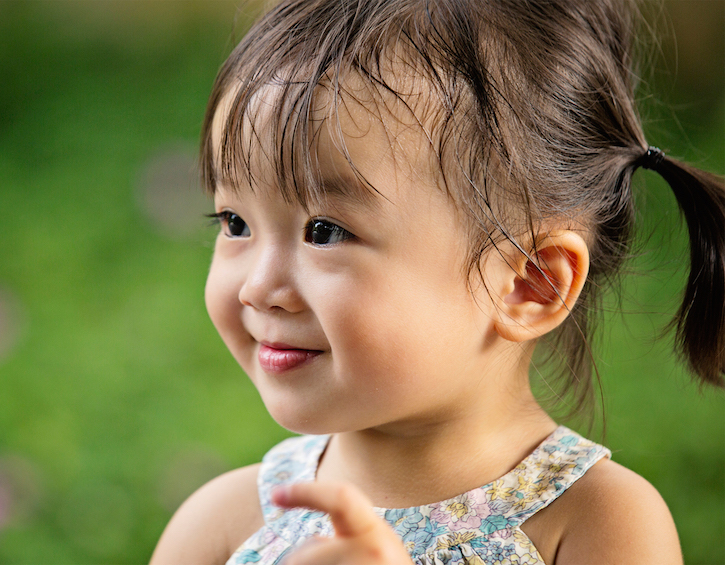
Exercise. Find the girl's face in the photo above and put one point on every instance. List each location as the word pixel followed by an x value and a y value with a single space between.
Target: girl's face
pixel 356 314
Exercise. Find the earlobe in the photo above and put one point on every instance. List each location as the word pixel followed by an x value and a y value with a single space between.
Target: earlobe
pixel 541 289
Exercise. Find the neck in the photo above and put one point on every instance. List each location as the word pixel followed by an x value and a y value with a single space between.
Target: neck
pixel 415 463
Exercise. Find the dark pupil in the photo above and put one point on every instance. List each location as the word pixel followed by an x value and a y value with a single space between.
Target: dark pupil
pixel 236 225
pixel 321 232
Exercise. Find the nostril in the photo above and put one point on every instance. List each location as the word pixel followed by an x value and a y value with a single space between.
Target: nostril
pixel 244 301
pixel 272 298
pixel 269 282
pixel 245 298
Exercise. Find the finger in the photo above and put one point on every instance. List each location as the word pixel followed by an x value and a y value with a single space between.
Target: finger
pixel 350 510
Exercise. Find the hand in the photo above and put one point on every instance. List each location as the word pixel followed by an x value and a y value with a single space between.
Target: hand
pixel 361 537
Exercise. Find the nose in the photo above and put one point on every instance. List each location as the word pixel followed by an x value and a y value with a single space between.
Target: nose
pixel 270 282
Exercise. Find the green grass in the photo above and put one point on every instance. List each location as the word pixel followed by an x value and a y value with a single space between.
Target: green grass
pixel 119 399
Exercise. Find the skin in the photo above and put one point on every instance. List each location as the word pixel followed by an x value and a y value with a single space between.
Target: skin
pixel 417 415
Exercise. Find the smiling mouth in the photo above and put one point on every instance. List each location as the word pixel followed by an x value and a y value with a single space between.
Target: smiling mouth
pixel 278 358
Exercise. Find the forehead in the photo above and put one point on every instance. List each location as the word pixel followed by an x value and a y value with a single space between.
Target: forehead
pixel 334 144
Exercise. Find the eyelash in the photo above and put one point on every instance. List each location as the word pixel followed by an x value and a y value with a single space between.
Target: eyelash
pixel 326 229
pixel 227 219
pixel 317 231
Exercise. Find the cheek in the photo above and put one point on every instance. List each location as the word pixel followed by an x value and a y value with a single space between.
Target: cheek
pixel 394 331
pixel 225 310
pixel 221 300
pixel 212 296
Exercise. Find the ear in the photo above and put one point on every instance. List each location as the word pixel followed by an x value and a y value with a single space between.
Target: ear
pixel 541 290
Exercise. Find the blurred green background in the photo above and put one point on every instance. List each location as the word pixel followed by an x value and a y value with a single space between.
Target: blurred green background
pixel 117 398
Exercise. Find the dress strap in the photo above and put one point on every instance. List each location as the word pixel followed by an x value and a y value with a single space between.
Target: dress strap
pixel 555 465
pixel 292 461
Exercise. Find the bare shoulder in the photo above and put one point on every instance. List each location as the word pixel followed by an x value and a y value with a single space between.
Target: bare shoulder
pixel 612 515
pixel 213 521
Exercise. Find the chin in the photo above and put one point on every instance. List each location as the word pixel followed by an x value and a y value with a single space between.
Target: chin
pixel 302 426
pixel 300 421
pixel 312 421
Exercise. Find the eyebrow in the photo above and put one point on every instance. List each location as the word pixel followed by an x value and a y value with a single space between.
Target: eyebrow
pixel 348 188
pixel 345 189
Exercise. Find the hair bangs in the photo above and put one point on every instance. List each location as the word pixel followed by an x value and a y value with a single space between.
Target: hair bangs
pixel 272 96
pixel 292 72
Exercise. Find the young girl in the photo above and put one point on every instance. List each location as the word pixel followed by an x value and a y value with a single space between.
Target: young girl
pixel 412 195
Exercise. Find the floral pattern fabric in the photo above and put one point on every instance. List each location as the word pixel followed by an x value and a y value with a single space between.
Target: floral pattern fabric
pixel 479 527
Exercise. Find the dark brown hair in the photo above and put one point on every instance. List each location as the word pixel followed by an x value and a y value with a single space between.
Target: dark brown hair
pixel 531 117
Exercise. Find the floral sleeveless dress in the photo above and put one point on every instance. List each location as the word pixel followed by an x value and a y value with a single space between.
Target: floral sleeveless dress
pixel 482 526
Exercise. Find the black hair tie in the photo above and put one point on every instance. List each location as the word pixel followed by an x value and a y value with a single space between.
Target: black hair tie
pixel 652 159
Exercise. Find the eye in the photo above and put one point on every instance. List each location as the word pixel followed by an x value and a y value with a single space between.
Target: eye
pixel 232 224
pixel 323 232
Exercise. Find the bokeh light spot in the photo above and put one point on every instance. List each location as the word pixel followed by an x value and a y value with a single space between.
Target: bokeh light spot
pixel 170 194
pixel 20 490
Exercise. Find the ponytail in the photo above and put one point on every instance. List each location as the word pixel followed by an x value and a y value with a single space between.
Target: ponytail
pixel 700 321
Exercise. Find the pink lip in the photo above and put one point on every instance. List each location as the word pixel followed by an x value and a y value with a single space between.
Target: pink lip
pixel 279 357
